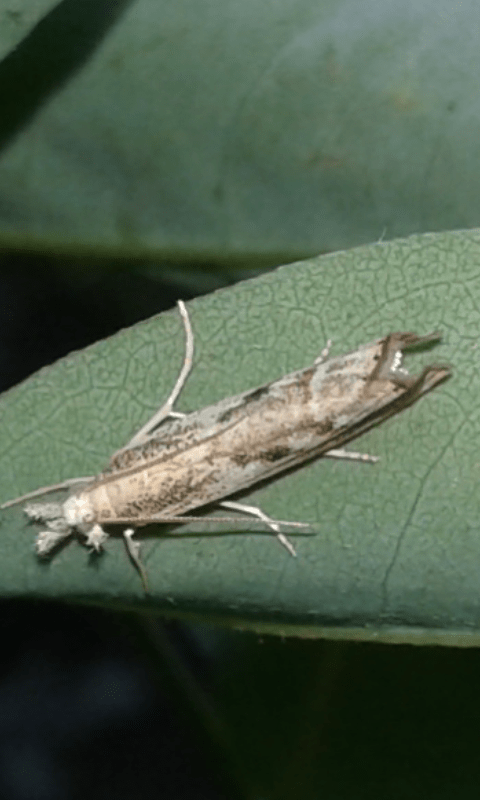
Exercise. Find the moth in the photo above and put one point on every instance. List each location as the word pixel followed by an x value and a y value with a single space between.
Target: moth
pixel 178 463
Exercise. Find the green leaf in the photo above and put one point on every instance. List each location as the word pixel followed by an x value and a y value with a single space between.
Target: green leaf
pixel 396 545
pixel 219 130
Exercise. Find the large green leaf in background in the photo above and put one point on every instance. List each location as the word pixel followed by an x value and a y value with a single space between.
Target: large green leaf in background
pixel 219 129
pixel 396 550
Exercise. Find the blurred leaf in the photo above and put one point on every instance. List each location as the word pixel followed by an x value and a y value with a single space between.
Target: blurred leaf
pixel 397 545
pixel 215 130
pixel 17 20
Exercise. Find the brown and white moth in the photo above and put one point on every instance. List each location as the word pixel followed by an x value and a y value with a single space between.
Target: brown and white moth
pixel 178 463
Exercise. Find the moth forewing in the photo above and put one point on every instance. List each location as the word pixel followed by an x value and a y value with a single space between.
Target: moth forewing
pixel 225 448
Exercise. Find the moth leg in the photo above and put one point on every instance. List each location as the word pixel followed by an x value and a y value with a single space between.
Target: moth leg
pixel 257 512
pixel 57 528
pixel 96 538
pixel 353 456
pixel 324 354
pixel 133 550
pixel 167 409
pixel 48 540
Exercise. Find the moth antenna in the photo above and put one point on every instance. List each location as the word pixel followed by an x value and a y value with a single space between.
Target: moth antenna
pixel 46 489
pixel 160 518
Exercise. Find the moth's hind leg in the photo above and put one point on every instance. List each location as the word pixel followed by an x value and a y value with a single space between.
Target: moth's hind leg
pixel 257 512
pixel 147 430
pixel 352 455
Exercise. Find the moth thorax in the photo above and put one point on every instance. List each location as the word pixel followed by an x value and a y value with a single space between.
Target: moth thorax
pixel 78 511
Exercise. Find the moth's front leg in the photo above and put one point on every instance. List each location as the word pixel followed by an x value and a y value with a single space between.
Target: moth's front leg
pixel 57 529
pixel 166 410
pixel 133 550
pixel 96 538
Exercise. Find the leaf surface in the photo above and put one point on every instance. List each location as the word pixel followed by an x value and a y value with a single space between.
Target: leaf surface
pixel 218 130
pixel 395 545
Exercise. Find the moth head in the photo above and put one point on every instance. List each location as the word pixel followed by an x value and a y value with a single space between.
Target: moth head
pixel 78 511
